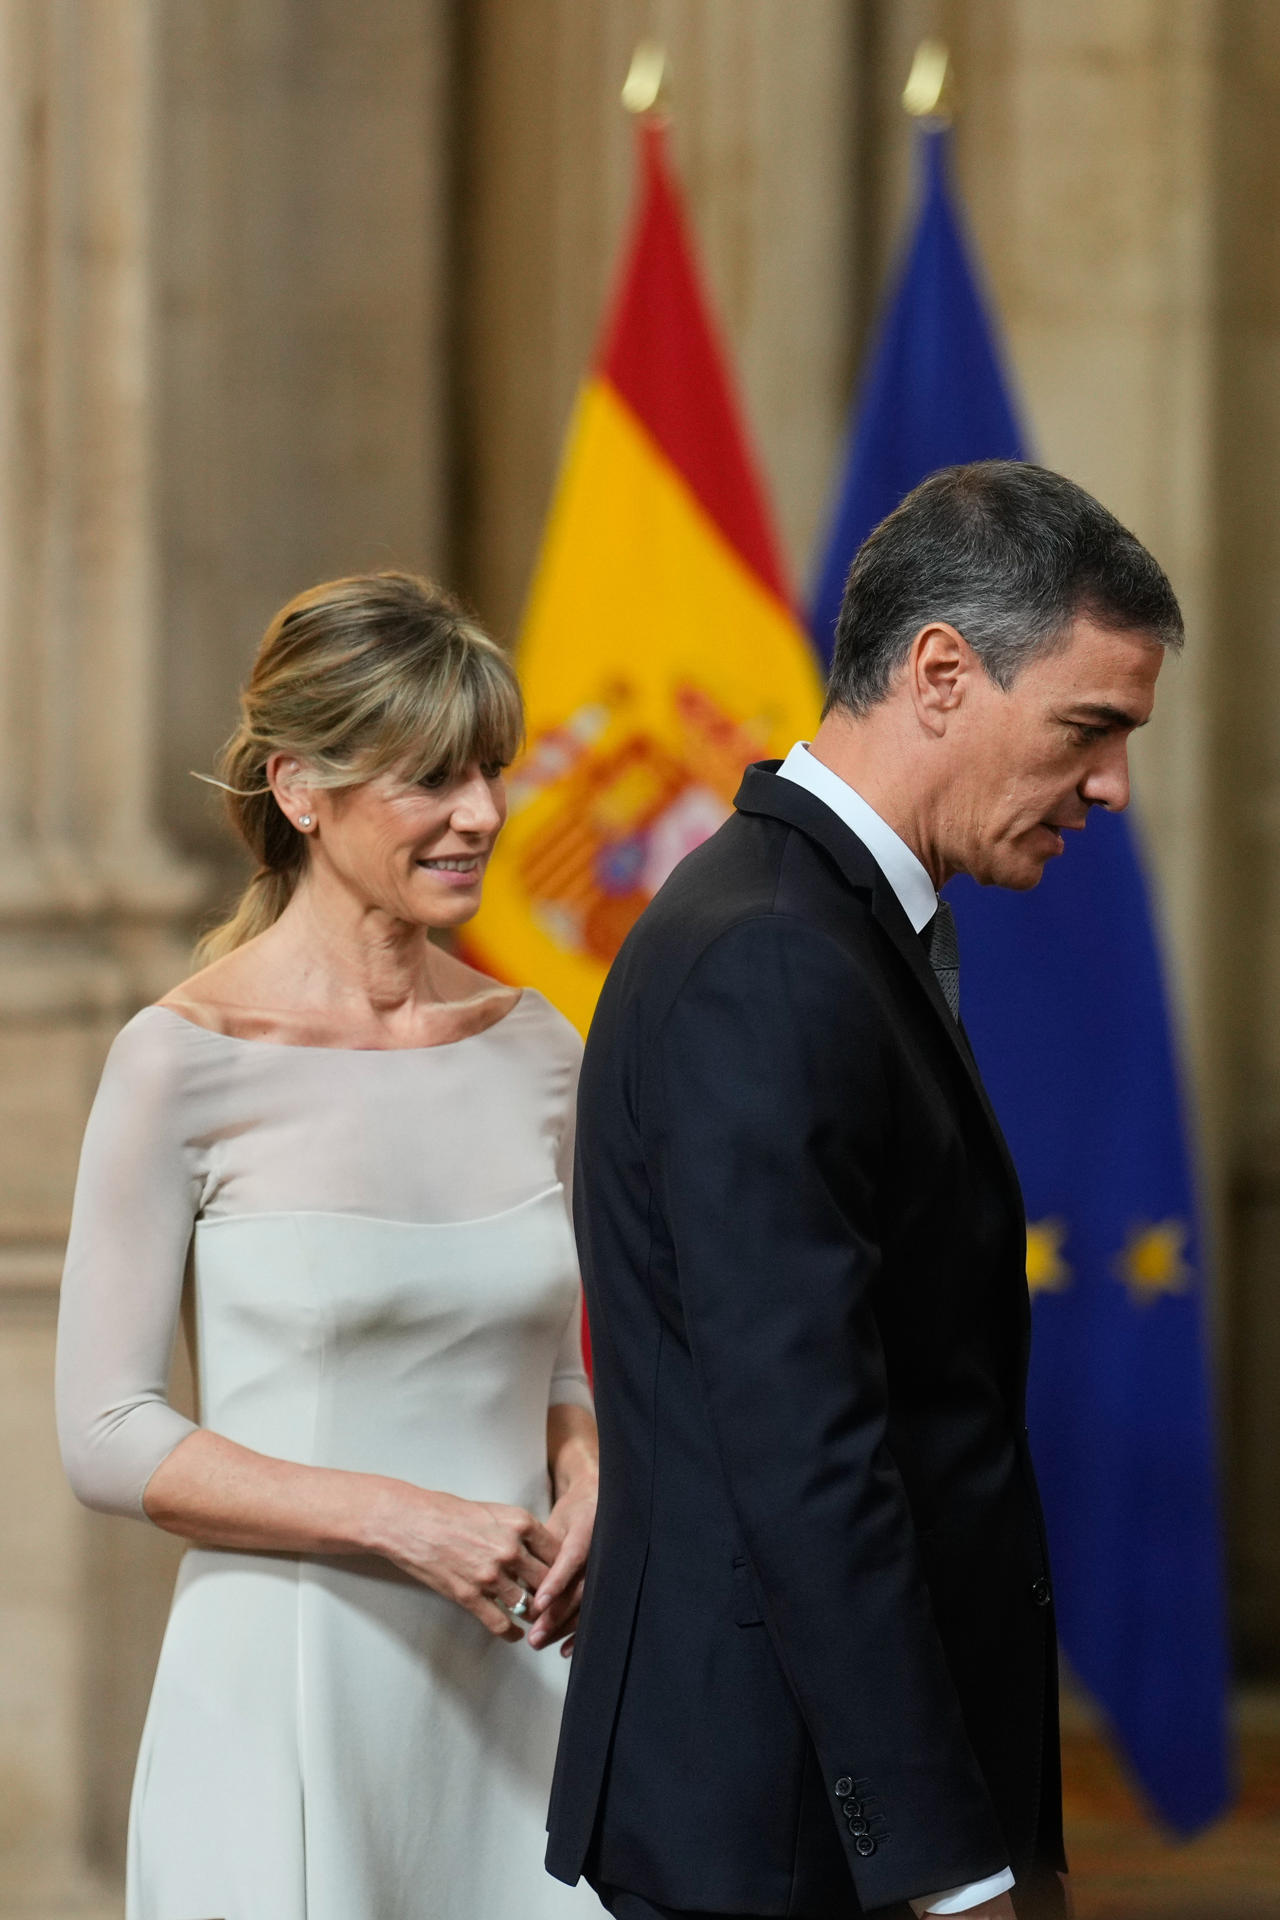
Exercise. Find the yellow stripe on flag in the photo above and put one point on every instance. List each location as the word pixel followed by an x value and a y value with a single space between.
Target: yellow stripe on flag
pixel 655 665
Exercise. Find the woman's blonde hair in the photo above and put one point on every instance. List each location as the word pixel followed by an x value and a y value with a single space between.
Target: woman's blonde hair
pixel 356 677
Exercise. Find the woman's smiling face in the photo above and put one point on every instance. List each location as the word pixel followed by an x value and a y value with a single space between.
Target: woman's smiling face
pixel 416 851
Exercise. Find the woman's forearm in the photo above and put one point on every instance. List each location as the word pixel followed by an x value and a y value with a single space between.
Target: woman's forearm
pixel 481 1555
pixel 219 1494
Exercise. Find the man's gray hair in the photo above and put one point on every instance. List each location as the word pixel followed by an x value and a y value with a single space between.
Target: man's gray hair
pixel 1008 554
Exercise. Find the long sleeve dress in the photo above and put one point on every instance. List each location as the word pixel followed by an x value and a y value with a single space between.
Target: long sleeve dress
pixel 383 1279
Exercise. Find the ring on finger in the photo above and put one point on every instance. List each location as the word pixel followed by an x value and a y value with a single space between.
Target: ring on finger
pixel 519 1610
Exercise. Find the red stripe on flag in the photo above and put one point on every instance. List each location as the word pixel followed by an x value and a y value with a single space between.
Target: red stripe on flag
pixel 660 353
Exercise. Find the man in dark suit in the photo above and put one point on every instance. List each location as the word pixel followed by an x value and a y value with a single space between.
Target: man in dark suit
pixel 815 1671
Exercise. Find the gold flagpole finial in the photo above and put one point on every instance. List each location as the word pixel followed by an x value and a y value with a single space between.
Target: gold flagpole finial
pixel 646 81
pixel 927 94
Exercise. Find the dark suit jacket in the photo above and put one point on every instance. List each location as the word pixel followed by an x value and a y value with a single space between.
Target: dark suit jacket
pixel 819 1579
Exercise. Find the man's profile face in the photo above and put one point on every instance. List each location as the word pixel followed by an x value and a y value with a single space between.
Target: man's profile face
pixel 1057 743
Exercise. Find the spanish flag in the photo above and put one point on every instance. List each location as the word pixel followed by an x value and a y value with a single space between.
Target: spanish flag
pixel 659 652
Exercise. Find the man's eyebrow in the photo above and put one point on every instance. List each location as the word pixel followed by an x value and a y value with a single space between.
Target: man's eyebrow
pixel 1102 716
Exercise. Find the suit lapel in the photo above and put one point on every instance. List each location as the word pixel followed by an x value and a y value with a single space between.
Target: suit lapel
pixel 762 792
pixel 888 911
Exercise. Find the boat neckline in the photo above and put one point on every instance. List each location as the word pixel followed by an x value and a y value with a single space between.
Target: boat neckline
pixel 293 1046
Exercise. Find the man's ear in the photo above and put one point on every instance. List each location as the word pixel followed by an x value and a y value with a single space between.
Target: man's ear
pixel 938 664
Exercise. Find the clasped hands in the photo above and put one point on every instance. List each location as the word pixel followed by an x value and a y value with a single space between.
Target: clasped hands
pixel 487 1557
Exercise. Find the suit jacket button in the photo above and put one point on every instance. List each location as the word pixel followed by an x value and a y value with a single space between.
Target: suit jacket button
pixel 852 1809
pixel 844 1787
pixel 864 1845
pixel 858 1827
pixel 1040 1593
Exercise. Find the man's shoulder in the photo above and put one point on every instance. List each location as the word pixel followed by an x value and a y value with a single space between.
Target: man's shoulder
pixel 755 866
pixel 755 884
pixel 733 873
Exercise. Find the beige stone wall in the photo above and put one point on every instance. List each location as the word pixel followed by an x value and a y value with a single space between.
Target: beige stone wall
pixel 289 287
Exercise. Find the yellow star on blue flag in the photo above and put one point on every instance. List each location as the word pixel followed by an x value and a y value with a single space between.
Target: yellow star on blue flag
pixel 1047 1271
pixel 1154 1260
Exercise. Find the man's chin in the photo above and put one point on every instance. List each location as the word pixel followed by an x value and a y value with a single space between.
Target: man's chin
pixel 1018 873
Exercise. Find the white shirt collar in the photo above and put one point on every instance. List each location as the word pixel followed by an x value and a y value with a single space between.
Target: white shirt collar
pixel 914 888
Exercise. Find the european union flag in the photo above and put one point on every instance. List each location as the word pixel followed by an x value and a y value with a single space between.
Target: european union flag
pixel 1064 1001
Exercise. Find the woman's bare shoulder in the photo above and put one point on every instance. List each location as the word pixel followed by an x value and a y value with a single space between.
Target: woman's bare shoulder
pixel 220 995
pixel 456 979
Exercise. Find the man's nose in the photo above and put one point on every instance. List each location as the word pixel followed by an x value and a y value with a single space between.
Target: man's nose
pixel 1106 784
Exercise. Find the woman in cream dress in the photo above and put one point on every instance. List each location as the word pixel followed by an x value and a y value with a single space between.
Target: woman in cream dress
pixel 356 1151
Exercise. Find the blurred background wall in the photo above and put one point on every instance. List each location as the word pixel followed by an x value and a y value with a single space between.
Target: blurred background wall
pixel 292 287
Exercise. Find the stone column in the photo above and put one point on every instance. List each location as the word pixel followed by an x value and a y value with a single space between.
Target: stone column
pixel 95 602
pixel 23 107
pixel 110 476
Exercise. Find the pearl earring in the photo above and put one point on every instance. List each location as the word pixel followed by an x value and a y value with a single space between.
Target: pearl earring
pixel 304 819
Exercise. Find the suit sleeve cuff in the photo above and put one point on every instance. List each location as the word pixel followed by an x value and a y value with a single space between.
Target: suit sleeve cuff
pixel 960 1899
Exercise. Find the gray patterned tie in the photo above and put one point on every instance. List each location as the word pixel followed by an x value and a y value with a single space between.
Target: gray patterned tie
pixel 943 949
